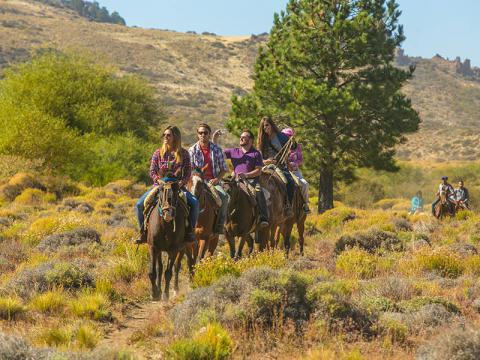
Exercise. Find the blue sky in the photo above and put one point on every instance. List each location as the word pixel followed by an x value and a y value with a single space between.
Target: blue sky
pixel 450 28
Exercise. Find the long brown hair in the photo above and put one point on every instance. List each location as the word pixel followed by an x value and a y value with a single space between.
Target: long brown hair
pixel 263 137
pixel 177 144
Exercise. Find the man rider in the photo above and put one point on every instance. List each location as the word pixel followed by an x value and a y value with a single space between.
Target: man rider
pixel 206 153
pixel 461 194
pixel 247 165
pixel 450 192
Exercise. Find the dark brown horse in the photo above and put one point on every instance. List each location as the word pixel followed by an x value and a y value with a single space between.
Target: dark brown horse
pixel 166 233
pixel 241 218
pixel 277 200
pixel 204 232
pixel 298 218
pixel 444 208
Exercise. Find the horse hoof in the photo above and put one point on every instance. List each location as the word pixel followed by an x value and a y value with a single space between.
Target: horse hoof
pixel 165 297
pixel 156 297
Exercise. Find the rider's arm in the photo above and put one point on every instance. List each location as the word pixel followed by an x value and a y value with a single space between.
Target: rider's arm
pixel 253 174
pixel 154 167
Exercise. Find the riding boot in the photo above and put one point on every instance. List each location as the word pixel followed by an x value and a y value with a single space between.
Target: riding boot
pixel 143 237
pixel 262 207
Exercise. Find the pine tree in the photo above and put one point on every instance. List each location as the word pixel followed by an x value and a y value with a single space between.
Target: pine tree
pixel 327 69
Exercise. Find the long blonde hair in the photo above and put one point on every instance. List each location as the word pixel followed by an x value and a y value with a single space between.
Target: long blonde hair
pixel 176 146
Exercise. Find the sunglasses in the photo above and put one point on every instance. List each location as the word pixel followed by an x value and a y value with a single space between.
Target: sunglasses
pixel 203 132
pixel 244 137
pixel 167 135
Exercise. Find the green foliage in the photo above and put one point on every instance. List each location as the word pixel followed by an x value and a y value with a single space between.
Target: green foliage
pixel 327 69
pixel 91 306
pixel 78 117
pixel 86 337
pixel 10 308
pixel 49 302
pixel 210 343
pixel 444 263
pixel 57 337
pixel 357 263
pixel 88 9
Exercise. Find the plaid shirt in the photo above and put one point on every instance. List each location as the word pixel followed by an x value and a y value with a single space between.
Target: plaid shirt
pixel 216 154
pixel 160 166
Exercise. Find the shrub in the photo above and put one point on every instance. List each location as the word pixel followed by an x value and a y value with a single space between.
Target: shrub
pixel 443 263
pixel 460 344
pixel 402 224
pixel 416 303
pixel 91 306
pixel 211 269
pixel 18 183
pixel 395 331
pixel 79 236
pixel 212 342
pixel 68 276
pixel 35 197
pixel 43 227
pixel 464 214
pixel 10 308
pixel 57 337
pixel 86 337
pixel 15 348
pixel 370 241
pixel 49 302
pixel 357 263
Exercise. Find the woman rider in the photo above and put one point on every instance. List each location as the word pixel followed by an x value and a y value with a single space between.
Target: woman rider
pixel 270 142
pixel 170 158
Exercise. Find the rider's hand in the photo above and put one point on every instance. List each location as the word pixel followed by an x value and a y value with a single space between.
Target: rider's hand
pixel 181 183
pixel 269 161
pixel 216 135
pixel 242 176
pixel 214 181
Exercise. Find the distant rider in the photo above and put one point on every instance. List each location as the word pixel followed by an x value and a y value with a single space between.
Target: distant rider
pixel 206 154
pixel 461 195
pixel 449 191
pixel 417 203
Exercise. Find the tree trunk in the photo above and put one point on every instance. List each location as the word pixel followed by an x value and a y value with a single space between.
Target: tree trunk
pixel 325 191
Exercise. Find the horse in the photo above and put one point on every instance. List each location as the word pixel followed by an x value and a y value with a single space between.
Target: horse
pixel 166 233
pixel 298 218
pixel 444 207
pixel 204 231
pixel 278 198
pixel 241 218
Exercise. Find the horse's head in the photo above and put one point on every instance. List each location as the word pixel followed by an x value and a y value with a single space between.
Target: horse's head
pixel 198 181
pixel 168 197
pixel 230 185
pixel 443 194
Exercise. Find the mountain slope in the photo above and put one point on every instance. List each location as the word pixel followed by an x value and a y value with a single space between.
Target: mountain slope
pixel 195 75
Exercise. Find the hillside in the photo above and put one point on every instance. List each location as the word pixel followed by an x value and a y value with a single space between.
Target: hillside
pixel 195 75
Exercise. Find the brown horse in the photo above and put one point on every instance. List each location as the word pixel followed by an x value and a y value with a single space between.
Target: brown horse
pixel 241 219
pixel 443 208
pixel 277 200
pixel 204 232
pixel 298 218
pixel 166 233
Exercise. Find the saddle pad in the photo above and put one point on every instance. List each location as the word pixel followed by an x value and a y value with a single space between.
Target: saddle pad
pixel 251 194
pixel 275 171
pixel 214 193
pixel 150 199
pixel 296 179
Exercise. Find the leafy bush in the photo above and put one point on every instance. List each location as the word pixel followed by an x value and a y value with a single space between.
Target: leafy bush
pixel 357 263
pixel 91 306
pixel 79 236
pixel 370 241
pixel 444 264
pixel 18 183
pixel 34 197
pixel 49 302
pixel 68 276
pixel 45 226
pixel 459 344
pixel 10 308
pixel 212 342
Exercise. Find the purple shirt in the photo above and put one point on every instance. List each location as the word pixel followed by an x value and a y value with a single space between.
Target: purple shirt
pixel 244 162
pixel 295 158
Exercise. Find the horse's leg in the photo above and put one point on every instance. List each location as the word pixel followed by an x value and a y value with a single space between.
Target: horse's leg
pixel 201 249
pixel 271 236
pixel 276 240
pixel 189 251
pixel 250 244
pixel 231 244
pixel 287 232
pixel 178 266
pixel 212 245
pixel 243 238
pixel 168 273
pixel 262 239
pixel 301 230
pixel 159 274
pixel 153 273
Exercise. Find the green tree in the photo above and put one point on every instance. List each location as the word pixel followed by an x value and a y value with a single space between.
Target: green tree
pixel 327 69
pixel 76 116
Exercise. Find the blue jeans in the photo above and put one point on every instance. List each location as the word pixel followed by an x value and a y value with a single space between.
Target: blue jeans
pixel 191 201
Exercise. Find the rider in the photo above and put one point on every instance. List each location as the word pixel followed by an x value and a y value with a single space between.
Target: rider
pixel 170 158
pixel 295 160
pixel 417 203
pixel 203 154
pixel 461 194
pixel 450 192
pixel 247 165
pixel 270 142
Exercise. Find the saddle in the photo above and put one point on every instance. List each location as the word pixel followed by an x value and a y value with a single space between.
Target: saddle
pixel 250 191
pixel 153 199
